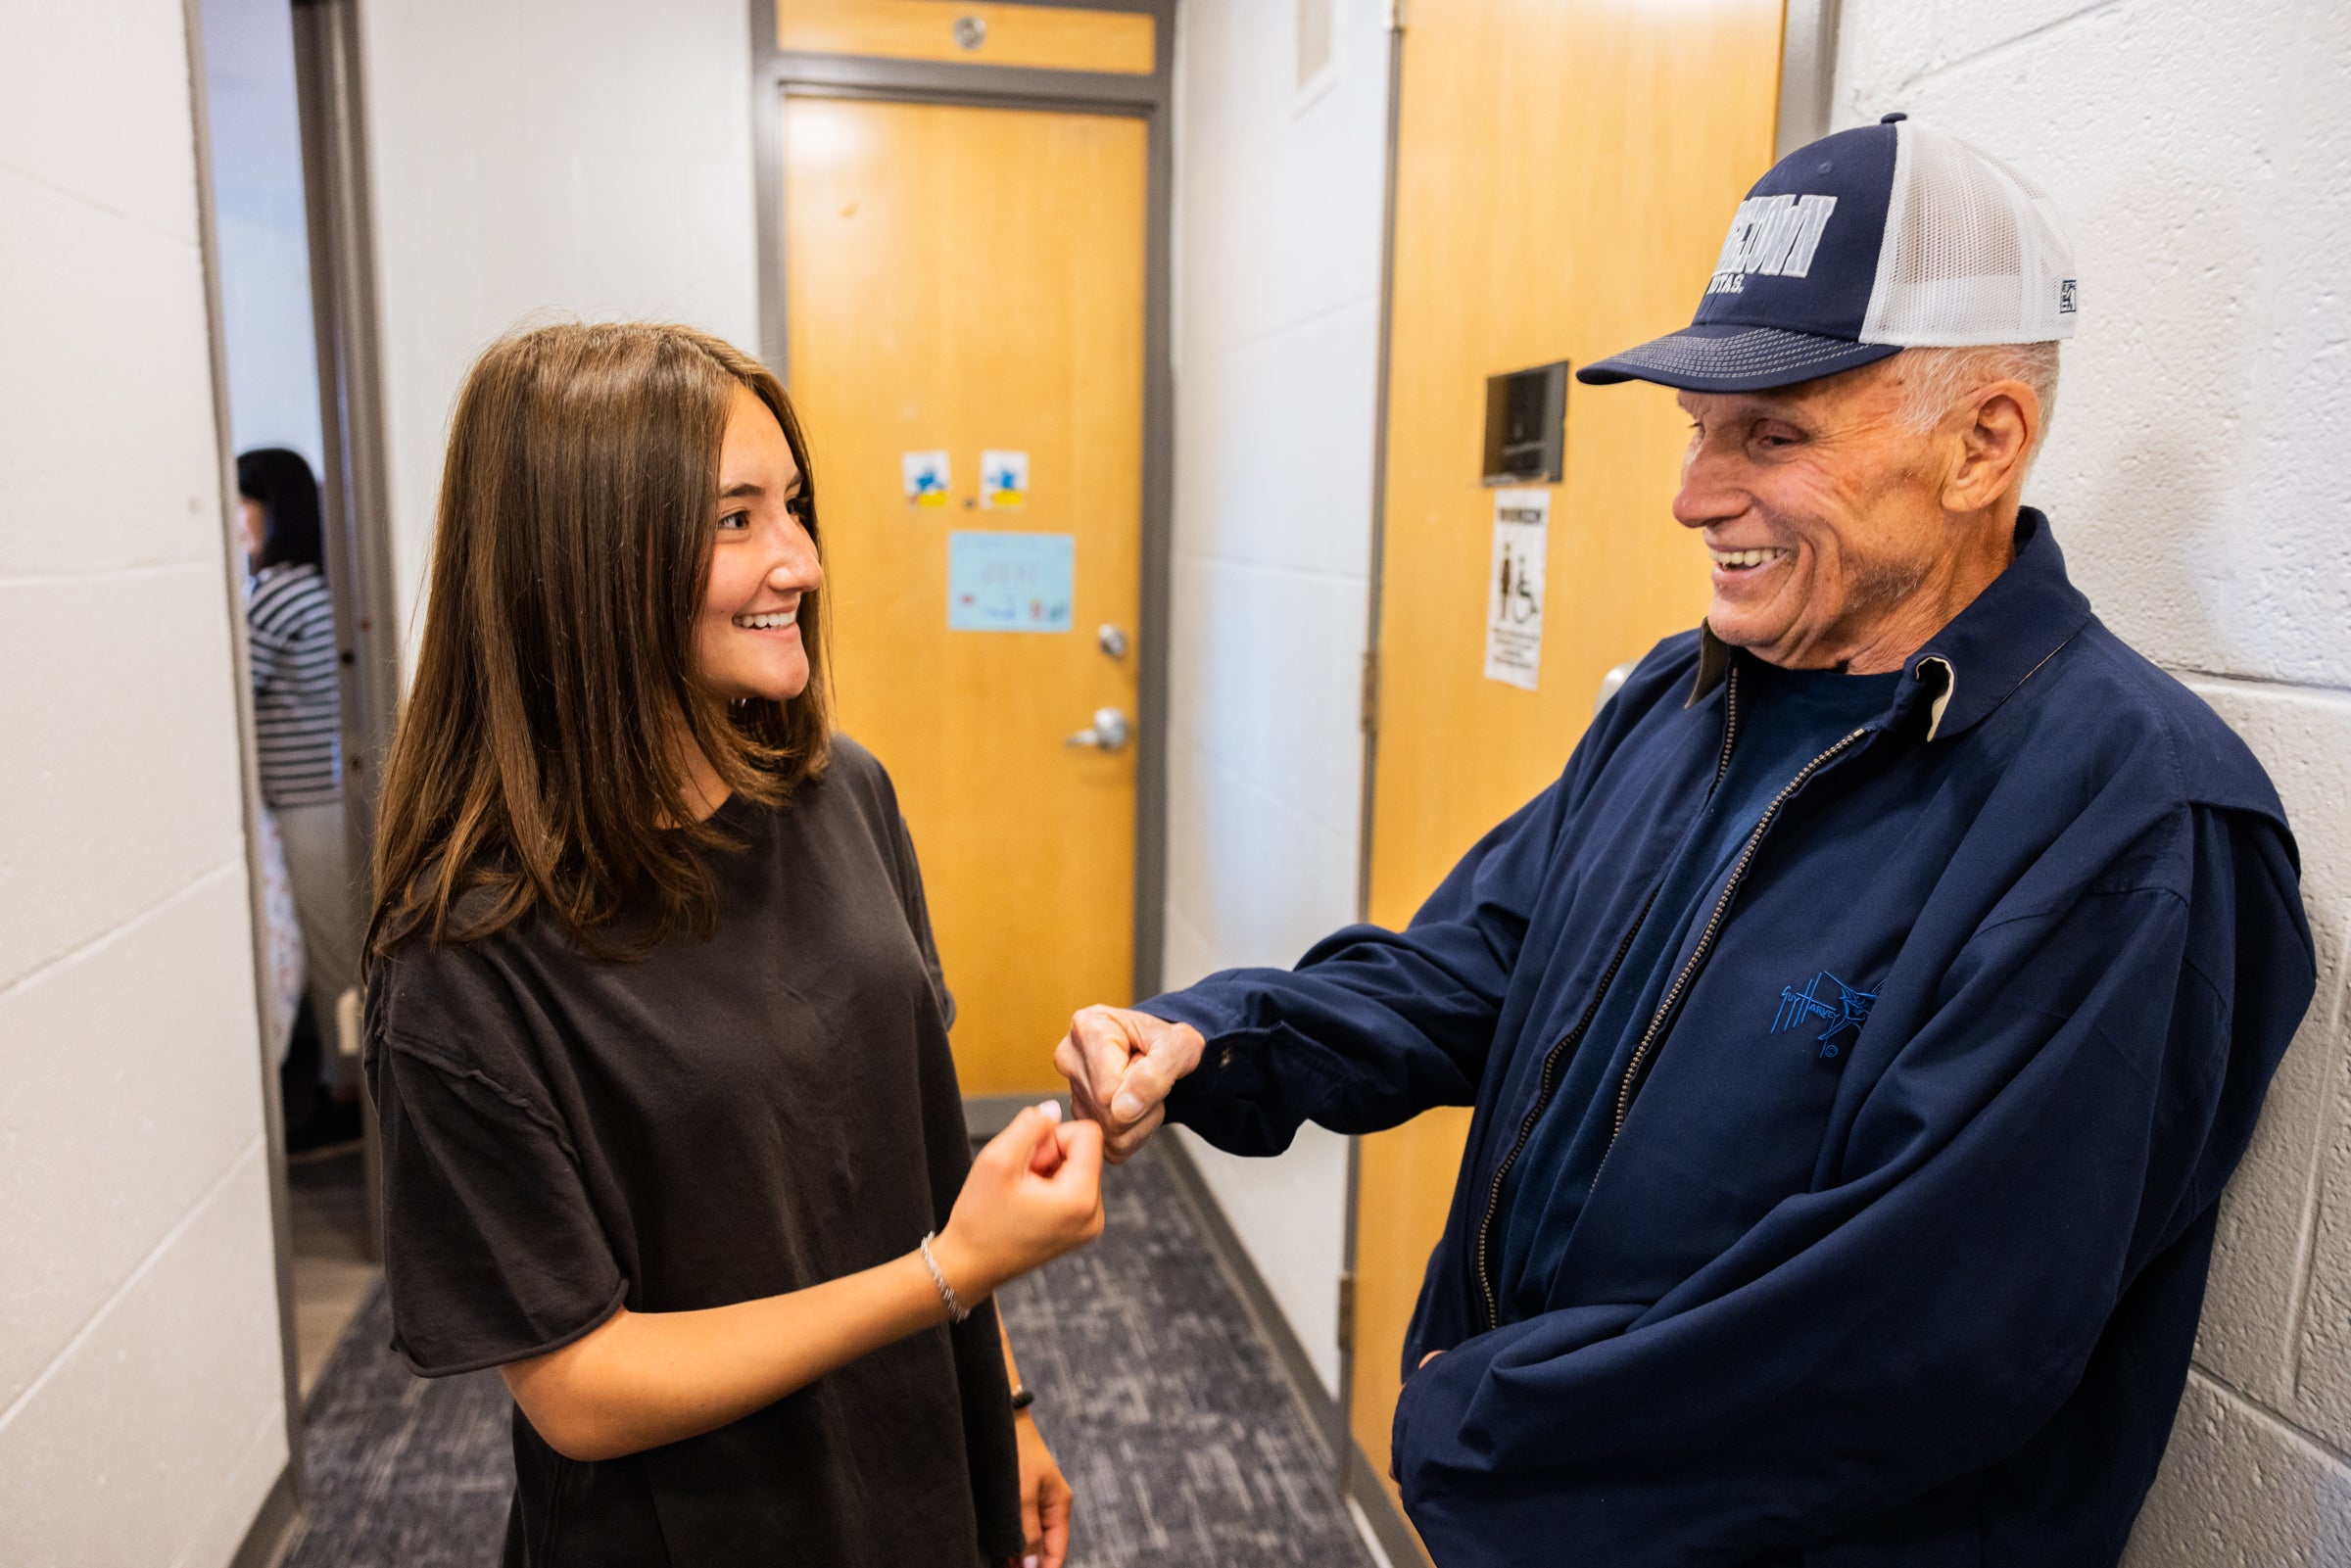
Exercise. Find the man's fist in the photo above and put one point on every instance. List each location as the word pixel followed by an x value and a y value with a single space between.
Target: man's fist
pixel 1121 1064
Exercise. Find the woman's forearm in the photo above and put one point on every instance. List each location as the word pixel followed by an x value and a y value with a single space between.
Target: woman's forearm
pixel 642 1379
pixel 1012 1368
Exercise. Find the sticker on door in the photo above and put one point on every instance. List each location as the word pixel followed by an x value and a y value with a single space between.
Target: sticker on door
pixel 1003 481
pixel 1010 582
pixel 1515 587
pixel 926 476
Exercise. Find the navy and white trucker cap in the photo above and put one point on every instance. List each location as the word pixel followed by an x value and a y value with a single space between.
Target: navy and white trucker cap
pixel 1858 246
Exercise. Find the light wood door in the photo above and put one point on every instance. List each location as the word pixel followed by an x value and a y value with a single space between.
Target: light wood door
pixel 1565 172
pixel 965 279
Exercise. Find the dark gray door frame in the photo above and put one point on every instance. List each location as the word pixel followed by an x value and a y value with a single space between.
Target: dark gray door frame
pixel 777 75
pixel 354 492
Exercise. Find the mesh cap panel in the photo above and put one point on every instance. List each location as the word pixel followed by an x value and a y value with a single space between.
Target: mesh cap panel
pixel 1974 252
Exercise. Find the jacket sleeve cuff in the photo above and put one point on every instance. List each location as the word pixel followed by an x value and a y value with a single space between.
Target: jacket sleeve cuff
pixel 1194 1100
pixel 1252 1090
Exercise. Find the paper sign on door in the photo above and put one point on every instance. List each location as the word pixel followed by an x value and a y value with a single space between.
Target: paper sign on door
pixel 1003 481
pixel 1515 587
pixel 926 476
pixel 1010 582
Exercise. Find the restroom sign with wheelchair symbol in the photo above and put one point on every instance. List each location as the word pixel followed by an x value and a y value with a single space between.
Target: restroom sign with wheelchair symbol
pixel 1515 587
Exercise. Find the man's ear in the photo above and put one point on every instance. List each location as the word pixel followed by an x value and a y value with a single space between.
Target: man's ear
pixel 1995 442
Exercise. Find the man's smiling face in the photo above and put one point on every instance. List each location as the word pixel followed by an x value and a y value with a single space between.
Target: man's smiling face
pixel 1822 508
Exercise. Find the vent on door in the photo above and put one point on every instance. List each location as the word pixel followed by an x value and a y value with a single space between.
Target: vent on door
pixel 1314 42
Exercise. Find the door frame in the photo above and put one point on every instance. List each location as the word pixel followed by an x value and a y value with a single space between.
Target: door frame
pixel 778 74
pixel 354 489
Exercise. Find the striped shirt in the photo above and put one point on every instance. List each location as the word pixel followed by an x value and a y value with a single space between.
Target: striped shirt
pixel 297 709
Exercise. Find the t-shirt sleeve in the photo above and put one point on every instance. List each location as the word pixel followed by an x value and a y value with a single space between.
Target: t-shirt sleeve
pixel 492 1251
pixel 918 912
pixel 906 873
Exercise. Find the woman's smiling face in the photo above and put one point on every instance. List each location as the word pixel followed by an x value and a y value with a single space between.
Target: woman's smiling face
pixel 747 636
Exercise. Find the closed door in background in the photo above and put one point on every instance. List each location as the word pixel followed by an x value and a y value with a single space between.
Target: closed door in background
pixel 1565 171
pixel 963 281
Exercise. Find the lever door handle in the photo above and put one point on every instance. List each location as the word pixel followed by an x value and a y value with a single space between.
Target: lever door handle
pixel 1109 732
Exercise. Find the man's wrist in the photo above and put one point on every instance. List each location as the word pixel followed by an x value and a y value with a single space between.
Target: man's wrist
pixel 1190 1045
pixel 1191 1051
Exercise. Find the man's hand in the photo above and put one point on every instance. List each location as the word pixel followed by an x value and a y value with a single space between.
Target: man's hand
pixel 1121 1064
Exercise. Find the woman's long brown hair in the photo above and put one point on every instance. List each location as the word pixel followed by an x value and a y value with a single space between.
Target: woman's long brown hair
pixel 536 759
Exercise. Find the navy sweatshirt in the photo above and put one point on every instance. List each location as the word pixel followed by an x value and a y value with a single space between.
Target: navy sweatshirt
pixel 1926 1300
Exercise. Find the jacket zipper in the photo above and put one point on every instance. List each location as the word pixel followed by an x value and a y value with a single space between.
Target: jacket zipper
pixel 1706 938
pixel 1550 1063
pixel 1526 1127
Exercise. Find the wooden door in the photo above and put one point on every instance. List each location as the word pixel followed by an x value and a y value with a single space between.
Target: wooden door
pixel 963 281
pixel 1565 172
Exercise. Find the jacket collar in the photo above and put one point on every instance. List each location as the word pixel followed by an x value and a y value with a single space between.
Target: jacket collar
pixel 1985 653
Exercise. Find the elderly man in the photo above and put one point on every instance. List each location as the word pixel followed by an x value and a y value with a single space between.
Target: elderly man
pixel 1862 1027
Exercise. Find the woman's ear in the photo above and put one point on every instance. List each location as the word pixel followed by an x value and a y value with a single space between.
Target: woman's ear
pixel 1996 444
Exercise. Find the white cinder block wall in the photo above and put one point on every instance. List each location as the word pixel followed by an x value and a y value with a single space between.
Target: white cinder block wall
pixel 545 160
pixel 2195 478
pixel 142 1407
pixel 1277 241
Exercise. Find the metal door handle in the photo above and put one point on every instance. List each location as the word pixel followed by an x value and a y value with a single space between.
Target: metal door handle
pixel 1108 733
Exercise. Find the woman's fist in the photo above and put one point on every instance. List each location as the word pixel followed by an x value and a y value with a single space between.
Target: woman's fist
pixel 1034 1193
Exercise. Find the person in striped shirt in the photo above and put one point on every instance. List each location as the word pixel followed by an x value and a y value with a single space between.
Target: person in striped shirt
pixel 298 726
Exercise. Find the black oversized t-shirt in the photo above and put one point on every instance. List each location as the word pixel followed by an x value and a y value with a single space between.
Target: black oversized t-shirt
pixel 728 1117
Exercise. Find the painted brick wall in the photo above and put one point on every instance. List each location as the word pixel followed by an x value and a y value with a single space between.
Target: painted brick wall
pixel 142 1415
pixel 545 160
pixel 1277 241
pixel 2202 155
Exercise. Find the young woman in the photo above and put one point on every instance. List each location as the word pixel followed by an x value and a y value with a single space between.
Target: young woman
pixel 298 723
pixel 655 1026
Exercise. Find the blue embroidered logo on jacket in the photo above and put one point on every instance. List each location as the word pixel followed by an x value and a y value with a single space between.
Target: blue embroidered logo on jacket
pixel 1848 1010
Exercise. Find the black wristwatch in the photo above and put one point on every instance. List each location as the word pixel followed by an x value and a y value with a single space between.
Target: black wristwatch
pixel 1022 1398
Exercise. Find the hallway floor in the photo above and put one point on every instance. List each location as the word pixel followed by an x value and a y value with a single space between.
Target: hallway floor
pixel 327 1213
pixel 1165 1407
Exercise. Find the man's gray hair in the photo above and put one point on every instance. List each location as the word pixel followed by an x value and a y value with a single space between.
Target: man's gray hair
pixel 1934 379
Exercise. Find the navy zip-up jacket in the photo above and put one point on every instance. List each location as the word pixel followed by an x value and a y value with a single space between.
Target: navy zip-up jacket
pixel 1924 1301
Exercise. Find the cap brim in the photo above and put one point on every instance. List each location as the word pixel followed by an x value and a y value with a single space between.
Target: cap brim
pixel 1725 357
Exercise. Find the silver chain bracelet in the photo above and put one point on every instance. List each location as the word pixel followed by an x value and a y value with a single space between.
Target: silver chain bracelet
pixel 956 1310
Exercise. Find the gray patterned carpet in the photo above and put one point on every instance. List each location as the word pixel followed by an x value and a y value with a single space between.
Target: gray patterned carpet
pixel 1161 1402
